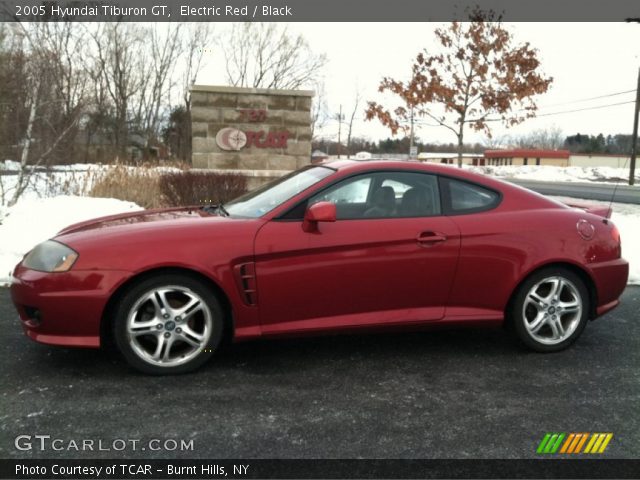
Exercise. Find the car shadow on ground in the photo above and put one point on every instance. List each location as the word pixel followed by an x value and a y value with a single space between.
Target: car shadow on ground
pixel 301 354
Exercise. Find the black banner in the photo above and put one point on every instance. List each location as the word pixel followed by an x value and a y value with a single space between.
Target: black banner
pixel 316 11
pixel 316 469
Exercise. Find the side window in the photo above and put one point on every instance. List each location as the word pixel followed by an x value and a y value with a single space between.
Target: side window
pixel 378 195
pixel 467 197
pixel 417 194
pixel 398 187
pixel 354 191
pixel 384 195
pixel 350 197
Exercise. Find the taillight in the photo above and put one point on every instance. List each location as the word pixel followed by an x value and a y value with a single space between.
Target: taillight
pixel 615 234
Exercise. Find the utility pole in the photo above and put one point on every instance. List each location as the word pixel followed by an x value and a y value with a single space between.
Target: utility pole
pixel 339 130
pixel 634 137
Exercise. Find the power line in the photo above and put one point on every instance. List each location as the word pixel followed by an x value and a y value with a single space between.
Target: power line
pixel 586 108
pixel 598 107
pixel 589 99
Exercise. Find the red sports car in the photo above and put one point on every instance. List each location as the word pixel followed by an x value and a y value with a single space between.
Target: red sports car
pixel 328 248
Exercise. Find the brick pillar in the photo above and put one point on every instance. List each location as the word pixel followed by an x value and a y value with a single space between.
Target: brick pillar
pixel 274 126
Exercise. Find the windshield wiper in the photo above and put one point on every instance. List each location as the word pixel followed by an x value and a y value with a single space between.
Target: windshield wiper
pixel 218 208
pixel 223 210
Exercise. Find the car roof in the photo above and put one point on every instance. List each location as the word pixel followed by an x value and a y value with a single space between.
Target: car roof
pixel 514 192
pixel 382 164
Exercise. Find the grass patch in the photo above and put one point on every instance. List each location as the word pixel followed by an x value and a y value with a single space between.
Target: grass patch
pixel 152 187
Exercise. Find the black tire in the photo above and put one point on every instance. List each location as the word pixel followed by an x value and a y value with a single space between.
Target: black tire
pixel 175 288
pixel 521 318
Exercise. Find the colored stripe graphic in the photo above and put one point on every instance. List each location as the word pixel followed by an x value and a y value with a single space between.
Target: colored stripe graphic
pixel 592 441
pixel 576 439
pixel 567 443
pixel 550 443
pixel 543 443
pixel 598 443
pixel 572 443
pixel 581 443
pixel 605 443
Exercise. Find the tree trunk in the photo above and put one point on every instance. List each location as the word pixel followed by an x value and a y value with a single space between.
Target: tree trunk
pixel 24 174
pixel 460 141
pixel 460 151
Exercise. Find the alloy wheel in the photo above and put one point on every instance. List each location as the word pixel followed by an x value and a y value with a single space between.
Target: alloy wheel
pixel 168 326
pixel 552 310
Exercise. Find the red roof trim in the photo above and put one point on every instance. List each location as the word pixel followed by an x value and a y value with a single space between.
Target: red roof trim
pixel 526 152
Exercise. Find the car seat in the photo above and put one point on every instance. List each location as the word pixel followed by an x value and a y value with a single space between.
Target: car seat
pixel 384 203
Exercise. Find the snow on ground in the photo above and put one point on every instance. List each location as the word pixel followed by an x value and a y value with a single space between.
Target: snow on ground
pixel 547 173
pixel 74 180
pixel 627 218
pixel 34 220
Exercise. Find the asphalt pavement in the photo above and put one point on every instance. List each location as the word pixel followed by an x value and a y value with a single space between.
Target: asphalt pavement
pixel 440 394
pixel 620 192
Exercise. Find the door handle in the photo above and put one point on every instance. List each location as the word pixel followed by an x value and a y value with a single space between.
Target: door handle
pixel 431 238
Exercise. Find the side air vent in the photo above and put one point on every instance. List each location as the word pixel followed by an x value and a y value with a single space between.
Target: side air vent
pixel 245 274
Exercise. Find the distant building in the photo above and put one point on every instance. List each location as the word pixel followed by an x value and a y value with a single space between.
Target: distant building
pixel 524 156
pixel 598 160
pixel 476 159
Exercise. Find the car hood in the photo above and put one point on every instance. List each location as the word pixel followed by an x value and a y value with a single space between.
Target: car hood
pixel 141 216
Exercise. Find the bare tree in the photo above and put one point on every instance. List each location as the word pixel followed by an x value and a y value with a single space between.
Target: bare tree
pixel 121 61
pixel 166 47
pixel 319 109
pixel 51 92
pixel 266 55
pixel 550 138
pixel 356 104
pixel 494 141
pixel 195 43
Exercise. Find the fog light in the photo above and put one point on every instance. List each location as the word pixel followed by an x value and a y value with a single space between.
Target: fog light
pixel 33 315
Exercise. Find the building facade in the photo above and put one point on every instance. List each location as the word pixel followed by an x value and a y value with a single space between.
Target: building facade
pixel 598 160
pixel 522 156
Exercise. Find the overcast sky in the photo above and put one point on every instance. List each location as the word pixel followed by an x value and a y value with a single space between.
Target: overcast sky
pixel 585 59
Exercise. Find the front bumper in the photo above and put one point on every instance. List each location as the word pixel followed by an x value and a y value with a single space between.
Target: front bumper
pixel 63 308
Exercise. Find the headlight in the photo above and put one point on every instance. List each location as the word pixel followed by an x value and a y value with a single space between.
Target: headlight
pixel 50 256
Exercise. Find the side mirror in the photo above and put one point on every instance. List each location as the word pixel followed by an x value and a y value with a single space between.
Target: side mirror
pixel 318 212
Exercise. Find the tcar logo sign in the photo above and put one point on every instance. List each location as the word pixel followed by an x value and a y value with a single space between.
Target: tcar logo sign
pixel 230 138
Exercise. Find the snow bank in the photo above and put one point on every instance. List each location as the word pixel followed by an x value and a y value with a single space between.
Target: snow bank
pixel 548 173
pixel 34 220
pixel 629 227
pixel 10 165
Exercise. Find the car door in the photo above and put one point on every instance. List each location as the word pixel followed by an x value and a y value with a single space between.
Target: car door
pixel 370 267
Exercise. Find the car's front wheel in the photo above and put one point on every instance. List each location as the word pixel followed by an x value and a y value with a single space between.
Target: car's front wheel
pixel 168 324
pixel 550 310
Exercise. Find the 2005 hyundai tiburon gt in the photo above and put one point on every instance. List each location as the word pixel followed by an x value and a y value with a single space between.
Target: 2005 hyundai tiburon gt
pixel 341 246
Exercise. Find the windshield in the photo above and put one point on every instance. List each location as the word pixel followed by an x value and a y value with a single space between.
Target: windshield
pixel 264 199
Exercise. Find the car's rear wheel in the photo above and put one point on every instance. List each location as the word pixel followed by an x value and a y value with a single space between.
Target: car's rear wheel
pixel 168 324
pixel 550 309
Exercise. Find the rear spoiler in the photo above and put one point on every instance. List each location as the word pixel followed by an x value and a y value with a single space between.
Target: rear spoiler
pixel 595 209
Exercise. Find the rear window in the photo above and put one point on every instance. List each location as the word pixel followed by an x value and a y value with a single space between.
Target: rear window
pixel 465 197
